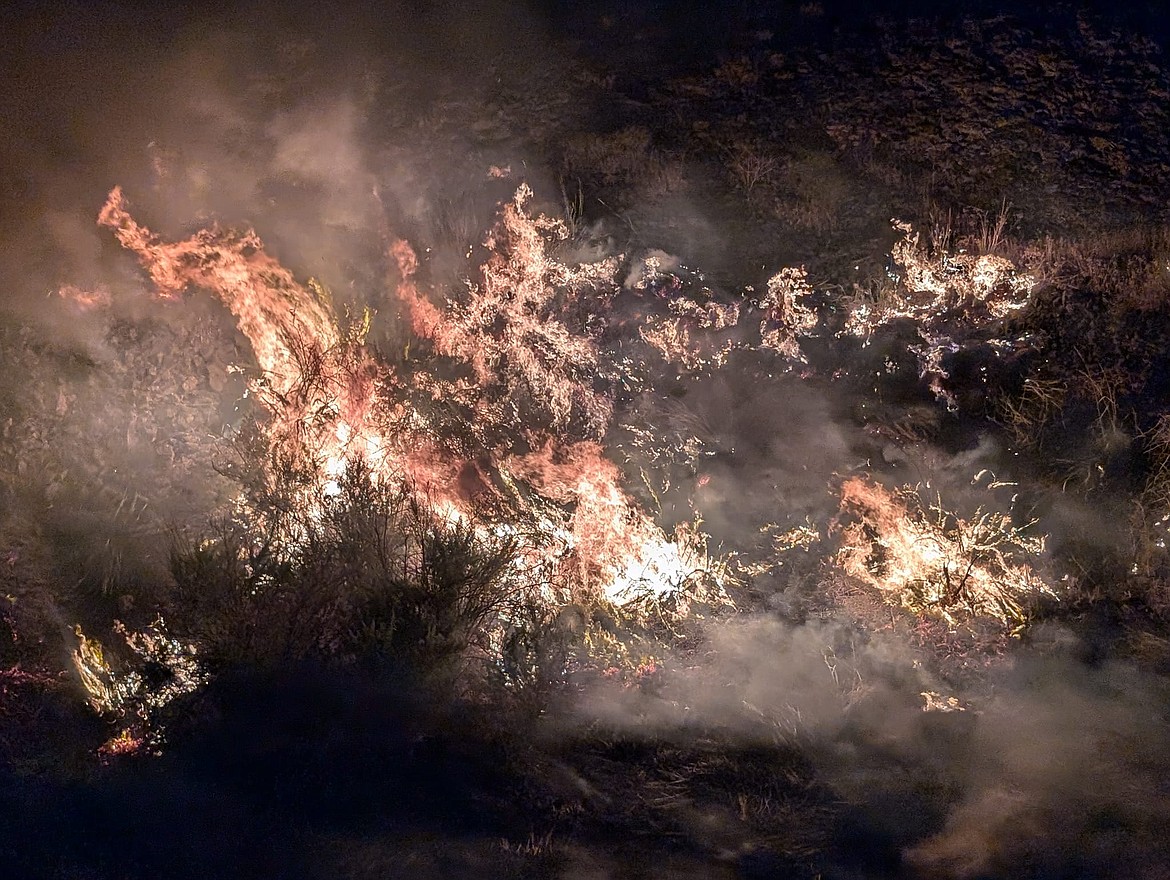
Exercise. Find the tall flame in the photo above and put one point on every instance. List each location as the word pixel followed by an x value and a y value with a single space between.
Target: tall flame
pixel 528 381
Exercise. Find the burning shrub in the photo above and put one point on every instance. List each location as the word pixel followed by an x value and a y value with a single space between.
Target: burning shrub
pixel 162 668
pixel 933 287
pixel 484 485
pixel 134 689
pixel 787 313
pixel 613 550
pixel 926 560
pixel 510 328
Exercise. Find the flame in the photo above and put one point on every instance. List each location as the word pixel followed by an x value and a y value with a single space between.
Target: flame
pixel 787 314
pixel 509 329
pixel 510 356
pixel 86 300
pixel 112 689
pixel 686 338
pixel 704 333
pixel 927 560
pixel 931 288
pixel 945 295
pixel 323 388
pixel 613 546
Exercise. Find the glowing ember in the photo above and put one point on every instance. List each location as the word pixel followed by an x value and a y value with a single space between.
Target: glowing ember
pixel 700 334
pixel 935 702
pixel 125 742
pixel 688 337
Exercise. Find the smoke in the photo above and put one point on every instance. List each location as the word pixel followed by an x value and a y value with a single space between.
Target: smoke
pixel 1065 771
pixel 1045 761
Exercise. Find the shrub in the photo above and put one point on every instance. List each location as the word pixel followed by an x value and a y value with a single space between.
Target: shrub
pixel 368 571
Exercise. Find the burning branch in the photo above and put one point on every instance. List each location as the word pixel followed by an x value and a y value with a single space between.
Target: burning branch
pixel 509 327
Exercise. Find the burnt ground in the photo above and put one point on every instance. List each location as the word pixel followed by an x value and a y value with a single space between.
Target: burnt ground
pixel 739 143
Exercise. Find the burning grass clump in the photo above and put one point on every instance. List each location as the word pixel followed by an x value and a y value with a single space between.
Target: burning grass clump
pixel 960 307
pixel 513 328
pixel 932 287
pixel 924 559
pixel 788 317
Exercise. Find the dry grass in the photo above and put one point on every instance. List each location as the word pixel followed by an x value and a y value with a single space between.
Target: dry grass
pixel 753 165
pixel 816 192
pixel 1027 414
pixel 627 157
pixel 739 73
pixel 1129 267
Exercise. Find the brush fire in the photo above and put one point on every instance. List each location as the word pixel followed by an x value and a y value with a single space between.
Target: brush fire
pixel 517 442
pixel 497 418
pixel 528 384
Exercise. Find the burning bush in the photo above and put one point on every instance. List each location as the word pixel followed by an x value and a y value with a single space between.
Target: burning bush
pixel 155 668
pixel 953 301
pixel 787 314
pixel 932 286
pixel 519 382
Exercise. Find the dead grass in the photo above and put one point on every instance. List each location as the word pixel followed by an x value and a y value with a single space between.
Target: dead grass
pixel 753 165
pixel 816 192
pixel 1129 267
pixel 1029 413
pixel 627 157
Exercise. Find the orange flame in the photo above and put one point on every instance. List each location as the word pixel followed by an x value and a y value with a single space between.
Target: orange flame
pixel 86 300
pixel 927 560
pixel 531 379
pixel 614 546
